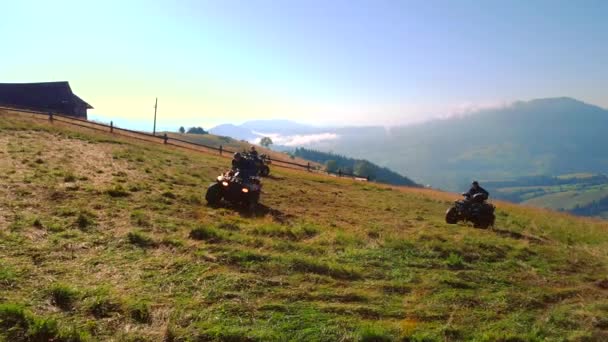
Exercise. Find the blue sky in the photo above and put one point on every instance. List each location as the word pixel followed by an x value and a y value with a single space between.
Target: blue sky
pixel 324 62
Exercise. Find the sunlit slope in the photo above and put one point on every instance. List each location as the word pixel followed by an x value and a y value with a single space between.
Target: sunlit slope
pixel 104 238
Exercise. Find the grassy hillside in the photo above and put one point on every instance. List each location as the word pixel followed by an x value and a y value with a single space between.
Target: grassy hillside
pixel 103 238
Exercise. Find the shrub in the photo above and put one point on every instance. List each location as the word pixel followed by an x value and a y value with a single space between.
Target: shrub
pixel 205 233
pixel 455 261
pixel 7 276
pixel 13 317
pixel 42 329
pixel 370 333
pixel 139 311
pixel 63 296
pixel 103 306
pixel 140 239
pixel 244 256
pixel 169 194
pixel 140 218
pixel 37 224
pixel 117 192
pixel 292 233
pixel 69 178
pixel 85 220
pixel 174 243
pixel 331 269
pixel 231 226
pixel 16 324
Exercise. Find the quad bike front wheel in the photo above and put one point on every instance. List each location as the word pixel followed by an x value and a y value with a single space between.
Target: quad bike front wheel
pixel 451 216
pixel 265 171
pixel 214 194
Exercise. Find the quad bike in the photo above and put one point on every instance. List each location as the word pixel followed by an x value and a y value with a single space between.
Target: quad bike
pixel 264 161
pixel 235 187
pixel 261 163
pixel 474 209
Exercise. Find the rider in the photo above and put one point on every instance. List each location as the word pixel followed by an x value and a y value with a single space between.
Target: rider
pixel 238 162
pixel 245 166
pixel 474 190
pixel 253 152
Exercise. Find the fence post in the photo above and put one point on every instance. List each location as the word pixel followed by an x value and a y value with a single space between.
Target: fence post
pixel 221 150
pixel 111 127
pixel 165 138
pixel 308 167
pixel 51 116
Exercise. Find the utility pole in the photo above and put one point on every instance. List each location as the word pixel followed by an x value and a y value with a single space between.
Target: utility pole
pixel 155 107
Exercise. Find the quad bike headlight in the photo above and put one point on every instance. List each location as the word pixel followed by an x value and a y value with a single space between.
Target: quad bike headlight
pixel 245 190
pixel 224 183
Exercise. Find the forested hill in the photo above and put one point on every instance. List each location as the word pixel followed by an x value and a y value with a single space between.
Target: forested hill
pixel 358 167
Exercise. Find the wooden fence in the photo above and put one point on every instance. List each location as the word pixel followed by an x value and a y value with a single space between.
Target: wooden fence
pixel 163 139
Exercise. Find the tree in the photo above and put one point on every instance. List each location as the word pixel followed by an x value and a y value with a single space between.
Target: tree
pixel 266 141
pixel 364 168
pixel 196 130
pixel 331 166
pixel 182 130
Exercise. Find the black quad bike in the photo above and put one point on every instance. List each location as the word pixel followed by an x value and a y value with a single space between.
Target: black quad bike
pixel 261 163
pixel 235 188
pixel 473 209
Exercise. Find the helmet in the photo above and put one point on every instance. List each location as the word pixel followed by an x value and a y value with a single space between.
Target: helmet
pixel 252 148
pixel 475 183
pixel 237 155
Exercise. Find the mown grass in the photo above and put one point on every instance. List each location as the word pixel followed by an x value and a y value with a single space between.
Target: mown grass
pixel 126 250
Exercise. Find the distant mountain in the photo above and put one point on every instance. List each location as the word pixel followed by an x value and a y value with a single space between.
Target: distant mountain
pixel 551 136
pixel 547 136
pixel 252 130
pixel 233 131
pixel 283 127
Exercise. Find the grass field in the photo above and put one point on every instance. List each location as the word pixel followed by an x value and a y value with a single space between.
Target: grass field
pixel 104 238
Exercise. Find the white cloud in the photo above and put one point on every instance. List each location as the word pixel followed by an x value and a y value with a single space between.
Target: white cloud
pixel 298 139
pixel 467 108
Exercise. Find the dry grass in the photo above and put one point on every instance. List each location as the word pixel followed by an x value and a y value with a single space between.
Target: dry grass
pixel 323 258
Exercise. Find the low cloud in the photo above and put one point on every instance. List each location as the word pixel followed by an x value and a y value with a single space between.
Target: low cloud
pixel 298 139
pixel 468 108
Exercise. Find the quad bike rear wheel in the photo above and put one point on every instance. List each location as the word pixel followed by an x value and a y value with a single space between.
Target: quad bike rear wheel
pixel 484 221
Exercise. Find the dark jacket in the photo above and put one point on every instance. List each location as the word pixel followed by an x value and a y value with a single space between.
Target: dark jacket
pixel 472 191
pixel 241 164
pixel 245 166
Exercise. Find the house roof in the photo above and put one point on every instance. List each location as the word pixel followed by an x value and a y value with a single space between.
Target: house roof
pixel 38 95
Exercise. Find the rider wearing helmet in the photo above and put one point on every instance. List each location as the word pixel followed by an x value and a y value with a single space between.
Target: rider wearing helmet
pixel 242 164
pixel 476 189
pixel 238 162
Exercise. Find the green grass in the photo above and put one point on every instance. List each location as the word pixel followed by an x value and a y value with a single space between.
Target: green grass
pixel 127 250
